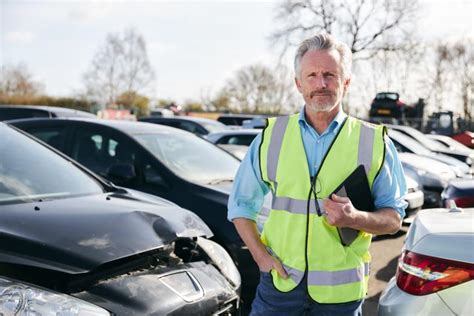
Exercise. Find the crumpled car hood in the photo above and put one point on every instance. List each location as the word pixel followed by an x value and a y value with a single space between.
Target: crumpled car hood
pixel 75 235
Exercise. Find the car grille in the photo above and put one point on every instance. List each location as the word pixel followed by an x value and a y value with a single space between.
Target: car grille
pixel 230 307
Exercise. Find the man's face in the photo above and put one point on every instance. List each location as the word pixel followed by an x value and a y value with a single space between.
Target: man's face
pixel 320 80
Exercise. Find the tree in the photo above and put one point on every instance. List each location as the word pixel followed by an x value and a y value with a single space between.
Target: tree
pixel 17 81
pixel 462 57
pixel 134 102
pixel 367 26
pixel 258 89
pixel 120 67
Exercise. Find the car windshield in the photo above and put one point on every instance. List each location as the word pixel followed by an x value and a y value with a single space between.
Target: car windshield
pixel 424 140
pixel 191 157
pixel 391 96
pixel 451 143
pixel 412 145
pixel 31 172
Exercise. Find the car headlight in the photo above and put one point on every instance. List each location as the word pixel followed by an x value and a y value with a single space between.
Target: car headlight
pixel 17 298
pixel 221 259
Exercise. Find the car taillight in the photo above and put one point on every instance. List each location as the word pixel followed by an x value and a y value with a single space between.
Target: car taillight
pixel 420 275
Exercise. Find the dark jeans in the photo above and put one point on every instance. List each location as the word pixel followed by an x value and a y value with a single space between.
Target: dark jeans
pixel 269 301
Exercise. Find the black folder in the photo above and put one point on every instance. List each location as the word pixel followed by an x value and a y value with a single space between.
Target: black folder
pixel 356 188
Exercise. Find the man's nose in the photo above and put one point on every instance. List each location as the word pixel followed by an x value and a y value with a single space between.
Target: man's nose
pixel 320 82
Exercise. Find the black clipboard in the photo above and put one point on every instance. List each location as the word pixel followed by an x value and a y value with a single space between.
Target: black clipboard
pixel 356 188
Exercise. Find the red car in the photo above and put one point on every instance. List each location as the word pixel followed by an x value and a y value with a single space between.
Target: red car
pixel 466 138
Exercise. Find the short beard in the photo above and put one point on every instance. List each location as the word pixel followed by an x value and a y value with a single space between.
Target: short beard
pixel 326 107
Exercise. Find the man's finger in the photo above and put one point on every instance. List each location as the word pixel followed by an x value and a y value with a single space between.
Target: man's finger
pixel 339 199
pixel 280 269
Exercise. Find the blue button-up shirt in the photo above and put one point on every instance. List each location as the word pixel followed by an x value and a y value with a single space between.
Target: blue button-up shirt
pixel 249 190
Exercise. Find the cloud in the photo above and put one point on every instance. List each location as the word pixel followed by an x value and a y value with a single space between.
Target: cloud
pixel 160 48
pixel 89 12
pixel 20 37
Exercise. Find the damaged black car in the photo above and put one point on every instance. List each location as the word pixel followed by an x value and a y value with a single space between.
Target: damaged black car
pixel 73 244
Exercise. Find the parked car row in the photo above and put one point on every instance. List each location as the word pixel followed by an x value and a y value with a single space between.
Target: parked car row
pixel 159 160
pixel 136 249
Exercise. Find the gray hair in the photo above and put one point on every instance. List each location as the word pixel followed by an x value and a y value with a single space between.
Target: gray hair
pixel 325 42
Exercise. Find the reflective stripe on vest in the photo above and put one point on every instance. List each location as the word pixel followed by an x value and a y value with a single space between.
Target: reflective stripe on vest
pixel 330 277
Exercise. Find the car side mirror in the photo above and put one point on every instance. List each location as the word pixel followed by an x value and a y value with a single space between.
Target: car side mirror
pixel 121 173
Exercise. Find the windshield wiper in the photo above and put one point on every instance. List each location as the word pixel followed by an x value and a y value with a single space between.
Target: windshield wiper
pixel 219 181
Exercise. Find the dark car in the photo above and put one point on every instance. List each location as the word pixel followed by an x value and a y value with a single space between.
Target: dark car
pixel 160 160
pixel 387 105
pixel 460 191
pixel 74 244
pixel 243 137
pixel 237 119
pixel 196 125
pixel 13 112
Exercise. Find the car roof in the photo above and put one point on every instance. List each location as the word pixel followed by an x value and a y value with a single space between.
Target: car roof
pixel 60 111
pixel 462 184
pixel 184 118
pixel 128 127
pixel 241 115
pixel 243 131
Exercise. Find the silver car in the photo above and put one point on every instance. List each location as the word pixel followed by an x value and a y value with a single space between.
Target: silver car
pixel 436 268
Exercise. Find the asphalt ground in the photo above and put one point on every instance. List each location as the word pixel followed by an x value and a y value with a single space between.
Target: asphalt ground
pixel 385 251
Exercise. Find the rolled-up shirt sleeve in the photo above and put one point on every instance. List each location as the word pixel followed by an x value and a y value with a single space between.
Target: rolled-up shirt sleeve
pixel 248 191
pixel 390 185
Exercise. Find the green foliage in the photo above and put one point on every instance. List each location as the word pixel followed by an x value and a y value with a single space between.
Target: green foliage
pixel 135 102
pixel 193 106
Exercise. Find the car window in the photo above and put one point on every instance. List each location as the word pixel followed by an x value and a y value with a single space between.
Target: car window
pixel 99 150
pixel 29 171
pixel 409 143
pixel 191 127
pixel 190 157
pixel 214 126
pixel 12 113
pixel 244 140
pixel 53 136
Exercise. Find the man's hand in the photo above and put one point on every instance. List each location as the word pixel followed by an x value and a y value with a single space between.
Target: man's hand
pixel 247 230
pixel 340 211
pixel 266 262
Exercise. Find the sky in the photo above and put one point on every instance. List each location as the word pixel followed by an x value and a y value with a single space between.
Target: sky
pixel 194 46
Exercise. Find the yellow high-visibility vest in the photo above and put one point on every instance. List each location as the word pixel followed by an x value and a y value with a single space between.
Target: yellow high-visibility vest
pixel 293 232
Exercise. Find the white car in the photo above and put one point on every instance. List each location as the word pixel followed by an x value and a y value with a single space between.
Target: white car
pixel 414 196
pixel 436 268
pixel 432 175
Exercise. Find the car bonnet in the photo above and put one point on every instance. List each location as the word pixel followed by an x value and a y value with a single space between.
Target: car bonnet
pixel 75 235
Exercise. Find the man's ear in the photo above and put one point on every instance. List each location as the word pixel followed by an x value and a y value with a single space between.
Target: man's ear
pixel 346 84
pixel 298 84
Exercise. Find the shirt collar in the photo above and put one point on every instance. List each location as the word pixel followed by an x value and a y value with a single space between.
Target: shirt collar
pixel 333 127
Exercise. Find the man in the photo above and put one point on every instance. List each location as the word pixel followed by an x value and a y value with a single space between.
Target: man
pixel 306 268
